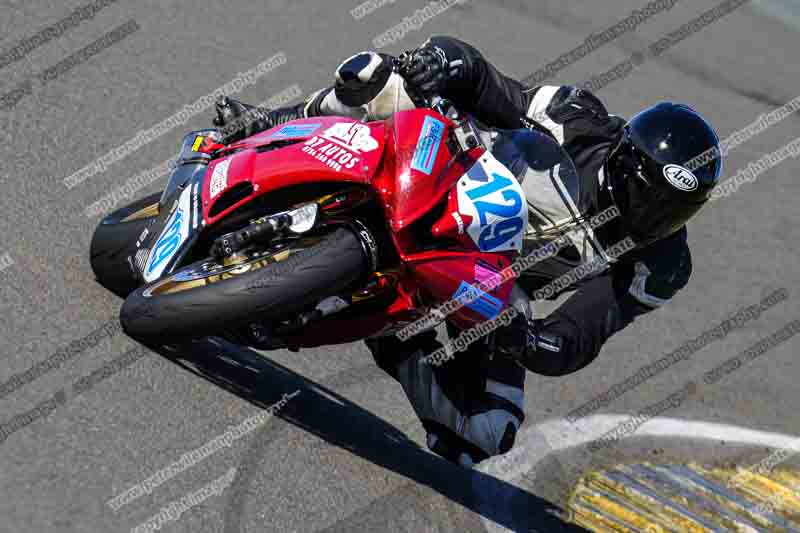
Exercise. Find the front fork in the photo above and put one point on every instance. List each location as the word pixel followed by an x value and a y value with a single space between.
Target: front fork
pixel 331 211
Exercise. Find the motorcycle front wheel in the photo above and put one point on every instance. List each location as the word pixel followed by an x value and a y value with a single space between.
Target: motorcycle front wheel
pixel 206 298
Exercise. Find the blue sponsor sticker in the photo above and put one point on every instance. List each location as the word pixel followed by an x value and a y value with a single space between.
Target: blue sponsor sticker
pixel 428 145
pixel 296 130
pixel 168 243
pixel 485 304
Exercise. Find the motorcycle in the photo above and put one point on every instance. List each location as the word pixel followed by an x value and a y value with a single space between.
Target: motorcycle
pixel 322 230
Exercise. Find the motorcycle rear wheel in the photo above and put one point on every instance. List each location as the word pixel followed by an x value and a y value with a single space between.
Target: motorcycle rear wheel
pixel 206 298
pixel 114 241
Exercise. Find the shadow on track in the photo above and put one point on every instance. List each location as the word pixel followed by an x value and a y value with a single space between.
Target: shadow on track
pixel 322 412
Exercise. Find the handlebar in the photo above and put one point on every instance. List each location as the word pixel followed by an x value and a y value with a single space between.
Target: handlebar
pixel 445 107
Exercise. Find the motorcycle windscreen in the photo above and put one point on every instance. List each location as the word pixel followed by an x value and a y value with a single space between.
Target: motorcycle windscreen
pixel 543 167
pixel 557 199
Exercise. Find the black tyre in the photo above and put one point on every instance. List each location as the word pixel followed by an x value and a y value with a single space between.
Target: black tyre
pixel 206 298
pixel 115 239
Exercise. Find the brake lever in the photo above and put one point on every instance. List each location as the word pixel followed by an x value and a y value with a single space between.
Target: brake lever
pixel 403 62
pixel 465 132
pixel 401 66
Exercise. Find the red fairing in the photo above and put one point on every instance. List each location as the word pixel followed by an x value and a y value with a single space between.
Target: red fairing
pixel 453 222
pixel 420 173
pixel 323 150
pixel 416 176
pixel 408 162
pixel 444 274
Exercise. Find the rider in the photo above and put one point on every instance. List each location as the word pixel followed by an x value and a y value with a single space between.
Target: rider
pixel 472 407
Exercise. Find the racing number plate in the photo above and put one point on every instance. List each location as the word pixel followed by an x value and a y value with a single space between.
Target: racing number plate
pixel 495 202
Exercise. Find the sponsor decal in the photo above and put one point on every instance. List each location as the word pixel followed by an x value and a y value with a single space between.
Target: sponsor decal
pixel 495 202
pixel 219 179
pixel 175 233
pixel 680 178
pixel 485 304
pixel 142 237
pixel 195 205
pixel 339 146
pixel 330 153
pixel 352 135
pixel 369 244
pixel 459 221
pixel 198 142
pixel 430 137
pixel 487 274
pixel 168 242
pixel 295 130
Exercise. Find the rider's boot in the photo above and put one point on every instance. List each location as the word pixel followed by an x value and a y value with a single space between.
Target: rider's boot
pixel 470 406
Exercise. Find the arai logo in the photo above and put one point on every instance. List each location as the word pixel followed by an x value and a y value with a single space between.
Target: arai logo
pixel 681 178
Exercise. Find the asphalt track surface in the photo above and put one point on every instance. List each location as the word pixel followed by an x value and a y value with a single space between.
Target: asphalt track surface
pixel 347 454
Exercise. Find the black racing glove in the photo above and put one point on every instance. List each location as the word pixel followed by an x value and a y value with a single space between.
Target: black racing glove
pixel 238 120
pixel 516 339
pixel 532 344
pixel 425 70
